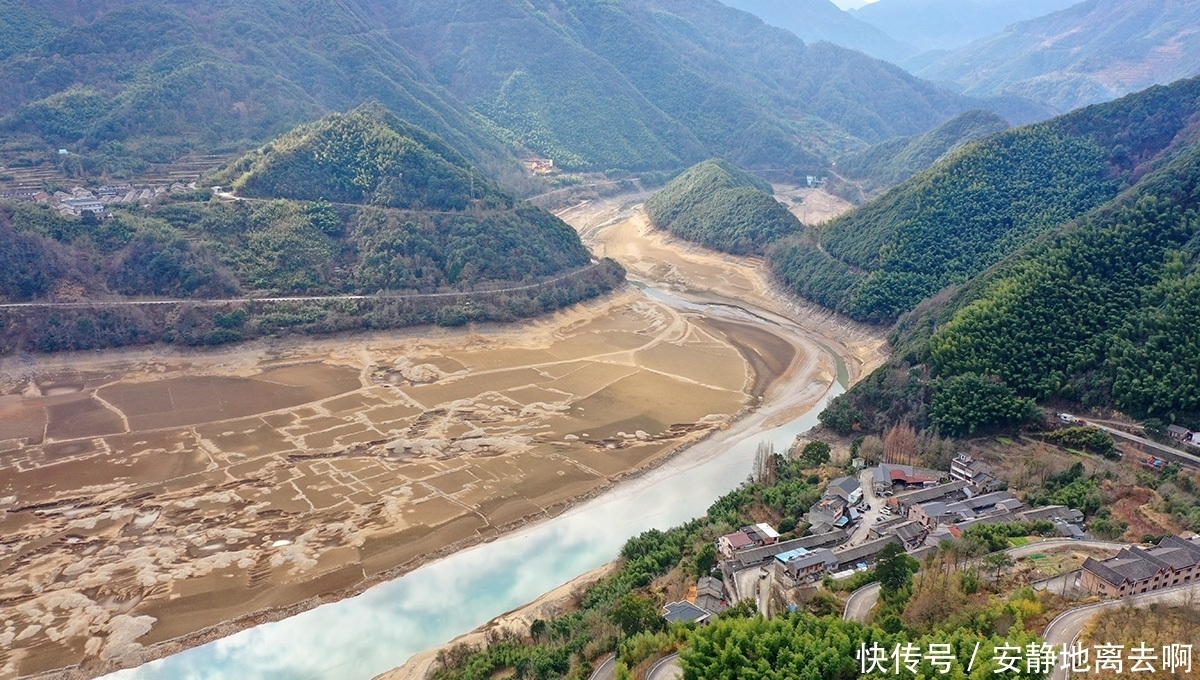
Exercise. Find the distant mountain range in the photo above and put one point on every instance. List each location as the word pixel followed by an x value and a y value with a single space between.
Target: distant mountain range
pixel 815 20
pixel 634 85
pixel 1092 52
pixel 1062 54
pixel 947 24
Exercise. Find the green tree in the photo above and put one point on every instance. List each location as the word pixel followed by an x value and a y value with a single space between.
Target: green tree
pixel 705 559
pixel 815 453
pixel 893 569
pixel 999 562
pixel 634 614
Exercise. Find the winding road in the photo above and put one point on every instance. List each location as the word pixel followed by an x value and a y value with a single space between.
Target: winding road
pixel 1066 627
pixel 296 298
pixel 862 601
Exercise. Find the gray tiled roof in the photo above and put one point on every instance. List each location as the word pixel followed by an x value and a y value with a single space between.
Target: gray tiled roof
pixel 847 485
pixel 1135 564
pixel 929 494
pixel 822 556
pixel 751 556
pixel 683 611
pixel 865 550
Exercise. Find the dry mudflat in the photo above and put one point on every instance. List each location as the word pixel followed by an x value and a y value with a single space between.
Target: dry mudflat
pixel 789 347
pixel 145 498
pixel 153 500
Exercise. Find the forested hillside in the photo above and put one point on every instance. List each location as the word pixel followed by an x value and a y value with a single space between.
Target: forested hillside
pixel 717 81
pixel 358 203
pixel 121 83
pixel 633 85
pixel 1088 53
pixel 1097 310
pixel 721 207
pixel 366 156
pixel 953 221
pixel 889 163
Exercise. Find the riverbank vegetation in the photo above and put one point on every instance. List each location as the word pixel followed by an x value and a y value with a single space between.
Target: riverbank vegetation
pixel 409 217
pixel 721 207
pixel 621 613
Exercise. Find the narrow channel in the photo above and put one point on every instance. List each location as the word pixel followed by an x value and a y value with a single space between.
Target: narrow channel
pixel 362 636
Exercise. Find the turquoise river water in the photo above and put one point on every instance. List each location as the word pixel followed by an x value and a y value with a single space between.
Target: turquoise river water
pixel 360 637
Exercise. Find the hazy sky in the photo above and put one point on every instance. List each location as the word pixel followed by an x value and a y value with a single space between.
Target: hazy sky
pixel 851 4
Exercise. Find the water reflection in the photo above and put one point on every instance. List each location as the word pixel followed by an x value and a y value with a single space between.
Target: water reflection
pixel 378 630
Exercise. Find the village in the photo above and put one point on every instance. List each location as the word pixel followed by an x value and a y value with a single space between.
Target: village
pixel 917 509
pixel 80 200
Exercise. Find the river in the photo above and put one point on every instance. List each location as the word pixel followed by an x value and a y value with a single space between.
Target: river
pixel 362 636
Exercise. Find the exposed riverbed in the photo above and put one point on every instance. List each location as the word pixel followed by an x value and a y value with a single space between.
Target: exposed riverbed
pixel 379 629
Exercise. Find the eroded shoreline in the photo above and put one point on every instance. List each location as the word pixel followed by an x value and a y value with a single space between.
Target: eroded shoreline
pixel 803 372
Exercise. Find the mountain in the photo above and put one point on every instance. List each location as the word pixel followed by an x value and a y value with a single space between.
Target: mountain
pixel 890 163
pixel 123 83
pixel 659 83
pixel 949 223
pixel 366 156
pixel 630 84
pixel 1098 311
pixel 358 203
pixel 816 20
pixel 721 207
pixel 1094 304
pixel 1091 52
pixel 947 24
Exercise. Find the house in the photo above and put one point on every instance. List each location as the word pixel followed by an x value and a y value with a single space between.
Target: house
pixel 938 513
pixel 912 534
pixel 848 488
pixel 685 611
pixel 1196 438
pixel 864 552
pixel 1054 513
pixel 887 477
pixel 948 492
pixel 1137 570
pixel 746 537
pixel 761 534
pixel 540 166
pixel 728 544
pixel 829 510
pixel 753 556
pixel 803 566
pixel 710 595
pixel 78 206
pixel 979 476
pixel 1180 433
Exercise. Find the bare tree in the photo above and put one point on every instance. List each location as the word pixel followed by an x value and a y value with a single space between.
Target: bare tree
pixel 900 444
pixel 765 463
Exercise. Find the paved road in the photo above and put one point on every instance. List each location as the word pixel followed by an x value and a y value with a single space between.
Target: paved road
pixel 310 298
pixel 667 668
pixel 1186 457
pixel 867 519
pixel 1066 627
pixel 861 601
pixel 606 668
